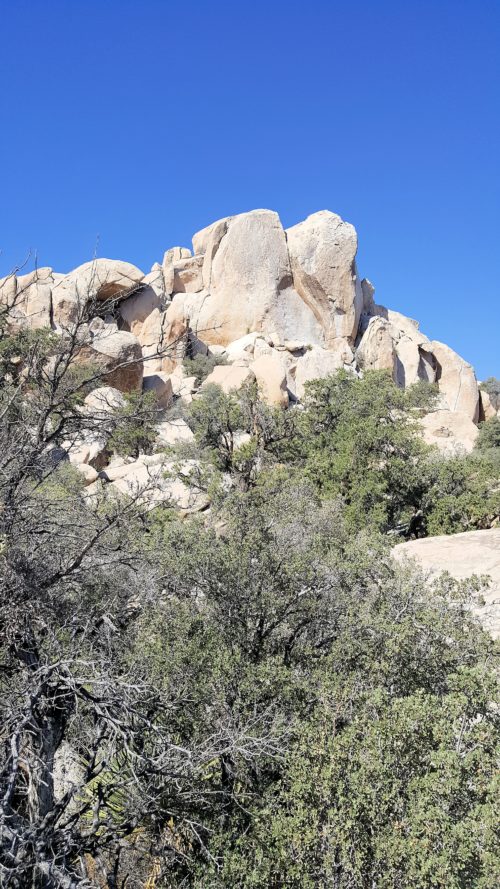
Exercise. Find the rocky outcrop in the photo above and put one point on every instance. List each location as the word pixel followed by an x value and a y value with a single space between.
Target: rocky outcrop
pixel 457 381
pixel 229 378
pixel 322 255
pixel 462 555
pixel 376 350
pixel 250 284
pixel 280 307
pixel 270 374
pixel 119 356
pixel 452 433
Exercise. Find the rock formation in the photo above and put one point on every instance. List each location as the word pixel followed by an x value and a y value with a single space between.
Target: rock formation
pixel 281 307
pixel 462 555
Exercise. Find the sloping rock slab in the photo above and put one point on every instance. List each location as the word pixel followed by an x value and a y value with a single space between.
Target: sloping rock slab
pixel 473 552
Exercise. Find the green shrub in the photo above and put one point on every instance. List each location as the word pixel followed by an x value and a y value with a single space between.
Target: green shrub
pixel 201 366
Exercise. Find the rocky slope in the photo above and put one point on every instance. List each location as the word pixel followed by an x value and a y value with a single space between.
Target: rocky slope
pixel 474 552
pixel 281 306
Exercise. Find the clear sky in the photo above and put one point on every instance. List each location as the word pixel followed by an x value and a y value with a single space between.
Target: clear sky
pixel 138 123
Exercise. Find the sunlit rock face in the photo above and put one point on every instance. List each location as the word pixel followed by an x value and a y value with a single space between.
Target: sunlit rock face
pixel 278 307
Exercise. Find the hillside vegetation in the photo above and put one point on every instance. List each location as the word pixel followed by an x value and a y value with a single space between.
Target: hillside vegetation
pixel 252 694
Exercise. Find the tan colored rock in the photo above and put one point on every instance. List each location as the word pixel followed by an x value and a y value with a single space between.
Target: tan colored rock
pixel 203 238
pixel 182 385
pixel 188 276
pixel 376 348
pixel 408 362
pixel 8 290
pixel 450 431
pixel 136 308
pixel 164 336
pixel 270 374
pixel 243 348
pixel 487 409
pixel 103 401
pixel 175 254
pixel 38 299
pixel 457 381
pixel 117 469
pixel 161 385
pixel 32 294
pixel 90 475
pixel 250 286
pixel 206 243
pixel 90 450
pixel 161 482
pixel 229 378
pixel 462 555
pixel 172 432
pixel 322 255
pixel 67 304
pixel 104 279
pixel 119 355
pixel 413 360
pixel 156 279
pixel 317 363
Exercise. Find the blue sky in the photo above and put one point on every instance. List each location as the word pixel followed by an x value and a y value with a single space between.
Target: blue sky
pixel 138 123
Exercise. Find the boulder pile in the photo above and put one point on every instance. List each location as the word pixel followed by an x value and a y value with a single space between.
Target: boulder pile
pixel 281 307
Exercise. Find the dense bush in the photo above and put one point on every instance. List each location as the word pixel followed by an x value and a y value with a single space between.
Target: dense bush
pixel 254 696
pixel 201 366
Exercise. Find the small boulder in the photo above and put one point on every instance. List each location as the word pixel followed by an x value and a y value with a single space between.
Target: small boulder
pixel 270 374
pixel 172 432
pixel 161 385
pixel 119 354
pixel 322 252
pixel 229 377
pixel 317 363
pixel 457 381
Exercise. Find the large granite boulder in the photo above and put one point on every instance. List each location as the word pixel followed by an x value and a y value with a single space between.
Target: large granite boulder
pixel 457 381
pixel 376 349
pixel 317 363
pixel 229 377
pixel 270 374
pixel 104 279
pixel 461 555
pixel 450 431
pixel 118 356
pixel 322 255
pixel 250 285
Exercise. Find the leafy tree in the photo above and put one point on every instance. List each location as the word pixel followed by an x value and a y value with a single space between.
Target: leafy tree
pixel 255 696
pixel 134 429
pixel 461 493
pixel 73 580
pixel 374 694
pixel 361 442
pixel 489 435
pixel 491 386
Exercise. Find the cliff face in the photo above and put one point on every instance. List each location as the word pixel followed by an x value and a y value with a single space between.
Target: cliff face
pixel 281 306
